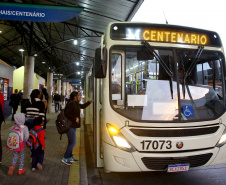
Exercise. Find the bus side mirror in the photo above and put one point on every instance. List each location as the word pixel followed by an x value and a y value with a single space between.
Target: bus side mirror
pixel 100 65
pixel 144 55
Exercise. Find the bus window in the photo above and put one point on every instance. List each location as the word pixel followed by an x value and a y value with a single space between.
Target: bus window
pixel 116 77
pixel 204 95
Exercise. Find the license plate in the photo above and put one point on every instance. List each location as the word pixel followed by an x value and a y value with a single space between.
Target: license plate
pixel 178 168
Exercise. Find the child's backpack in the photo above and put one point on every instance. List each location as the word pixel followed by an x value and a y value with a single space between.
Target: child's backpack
pixel 63 124
pixel 15 141
pixel 33 142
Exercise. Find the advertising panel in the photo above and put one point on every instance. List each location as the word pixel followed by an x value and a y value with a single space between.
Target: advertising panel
pixel 6 84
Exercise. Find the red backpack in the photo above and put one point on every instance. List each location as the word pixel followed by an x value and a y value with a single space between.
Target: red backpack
pixel 33 142
pixel 15 141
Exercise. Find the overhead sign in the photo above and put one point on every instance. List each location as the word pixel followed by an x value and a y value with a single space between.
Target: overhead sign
pixel 37 13
pixel 71 80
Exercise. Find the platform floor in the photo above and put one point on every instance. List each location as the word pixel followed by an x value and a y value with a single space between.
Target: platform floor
pixel 54 171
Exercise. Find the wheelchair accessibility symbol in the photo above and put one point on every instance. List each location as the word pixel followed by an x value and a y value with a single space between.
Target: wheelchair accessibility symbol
pixel 188 111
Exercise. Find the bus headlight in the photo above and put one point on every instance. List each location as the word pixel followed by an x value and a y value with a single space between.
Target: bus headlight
pixel 119 140
pixel 222 140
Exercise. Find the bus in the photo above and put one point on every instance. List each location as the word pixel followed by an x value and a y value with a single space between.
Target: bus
pixel 159 98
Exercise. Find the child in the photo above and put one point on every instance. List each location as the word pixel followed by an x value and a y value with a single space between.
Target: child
pixel 38 154
pixel 20 120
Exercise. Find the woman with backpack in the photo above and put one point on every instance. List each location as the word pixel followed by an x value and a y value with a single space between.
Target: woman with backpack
pixel 14 145
pixel 72 112
pixel 34 108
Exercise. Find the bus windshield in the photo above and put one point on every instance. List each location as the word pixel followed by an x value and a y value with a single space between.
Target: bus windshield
pixel 175 85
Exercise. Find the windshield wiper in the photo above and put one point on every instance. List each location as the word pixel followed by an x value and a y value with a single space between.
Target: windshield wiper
pixel 162 63
pixel 193 64
pixel 171 79
pixel 153 52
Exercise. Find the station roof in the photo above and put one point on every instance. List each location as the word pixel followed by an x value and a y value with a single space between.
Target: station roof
pixel 53 42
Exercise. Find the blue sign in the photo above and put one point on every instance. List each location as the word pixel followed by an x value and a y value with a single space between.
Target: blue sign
pixel 71 80
pixel 37 13
pixel 188 111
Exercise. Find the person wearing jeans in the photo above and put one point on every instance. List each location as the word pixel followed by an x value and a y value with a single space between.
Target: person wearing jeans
pixel 57 99
pixel 71 134
pixel 72 112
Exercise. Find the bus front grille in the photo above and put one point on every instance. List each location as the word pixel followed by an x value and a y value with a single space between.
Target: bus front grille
pixel 174 132
pixel 161 163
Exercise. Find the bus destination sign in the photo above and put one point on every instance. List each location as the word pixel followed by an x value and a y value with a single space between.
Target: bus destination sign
pixel 156 35
pixel 164 33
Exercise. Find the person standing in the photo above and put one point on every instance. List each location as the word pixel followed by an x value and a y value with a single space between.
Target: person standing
pixel 20 120
pixel 45 96
pixel 72 112
pixel 57 100
pixel 15 100
pixel 21 94
pixel 66 98
pixel 34 109
pixel 1 120
pixel 38 154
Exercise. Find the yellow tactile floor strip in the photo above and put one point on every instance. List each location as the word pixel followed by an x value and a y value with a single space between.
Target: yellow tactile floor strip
pixel 74 173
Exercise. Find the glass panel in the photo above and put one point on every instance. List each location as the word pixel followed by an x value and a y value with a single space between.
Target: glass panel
pixel 201 92
pixel 151 94
pixel 148 88
pixel 116 77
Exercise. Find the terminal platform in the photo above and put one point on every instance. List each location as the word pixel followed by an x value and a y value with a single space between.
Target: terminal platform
pixel 54 171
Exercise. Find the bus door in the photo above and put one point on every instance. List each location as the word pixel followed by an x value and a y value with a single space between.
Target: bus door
pixel 97 136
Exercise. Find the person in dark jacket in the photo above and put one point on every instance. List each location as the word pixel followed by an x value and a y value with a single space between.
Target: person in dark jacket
pixel 57 100
pixel 15 99
pixel 45 96
pixel 21 94
pixel 72 112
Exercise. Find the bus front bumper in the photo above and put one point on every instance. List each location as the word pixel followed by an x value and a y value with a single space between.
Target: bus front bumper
pixel 117 160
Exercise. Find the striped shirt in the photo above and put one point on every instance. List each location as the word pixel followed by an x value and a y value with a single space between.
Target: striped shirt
pixel 36 109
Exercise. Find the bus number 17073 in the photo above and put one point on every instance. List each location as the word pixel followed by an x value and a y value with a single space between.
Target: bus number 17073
pixel 155 144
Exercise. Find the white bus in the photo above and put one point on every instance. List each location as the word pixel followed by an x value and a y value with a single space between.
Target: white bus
pixel 159 95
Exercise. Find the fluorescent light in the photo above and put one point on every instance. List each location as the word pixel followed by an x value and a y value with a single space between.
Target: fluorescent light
pixel 75 42
pixel 21 50
pixel 77 63
pixel 43 62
